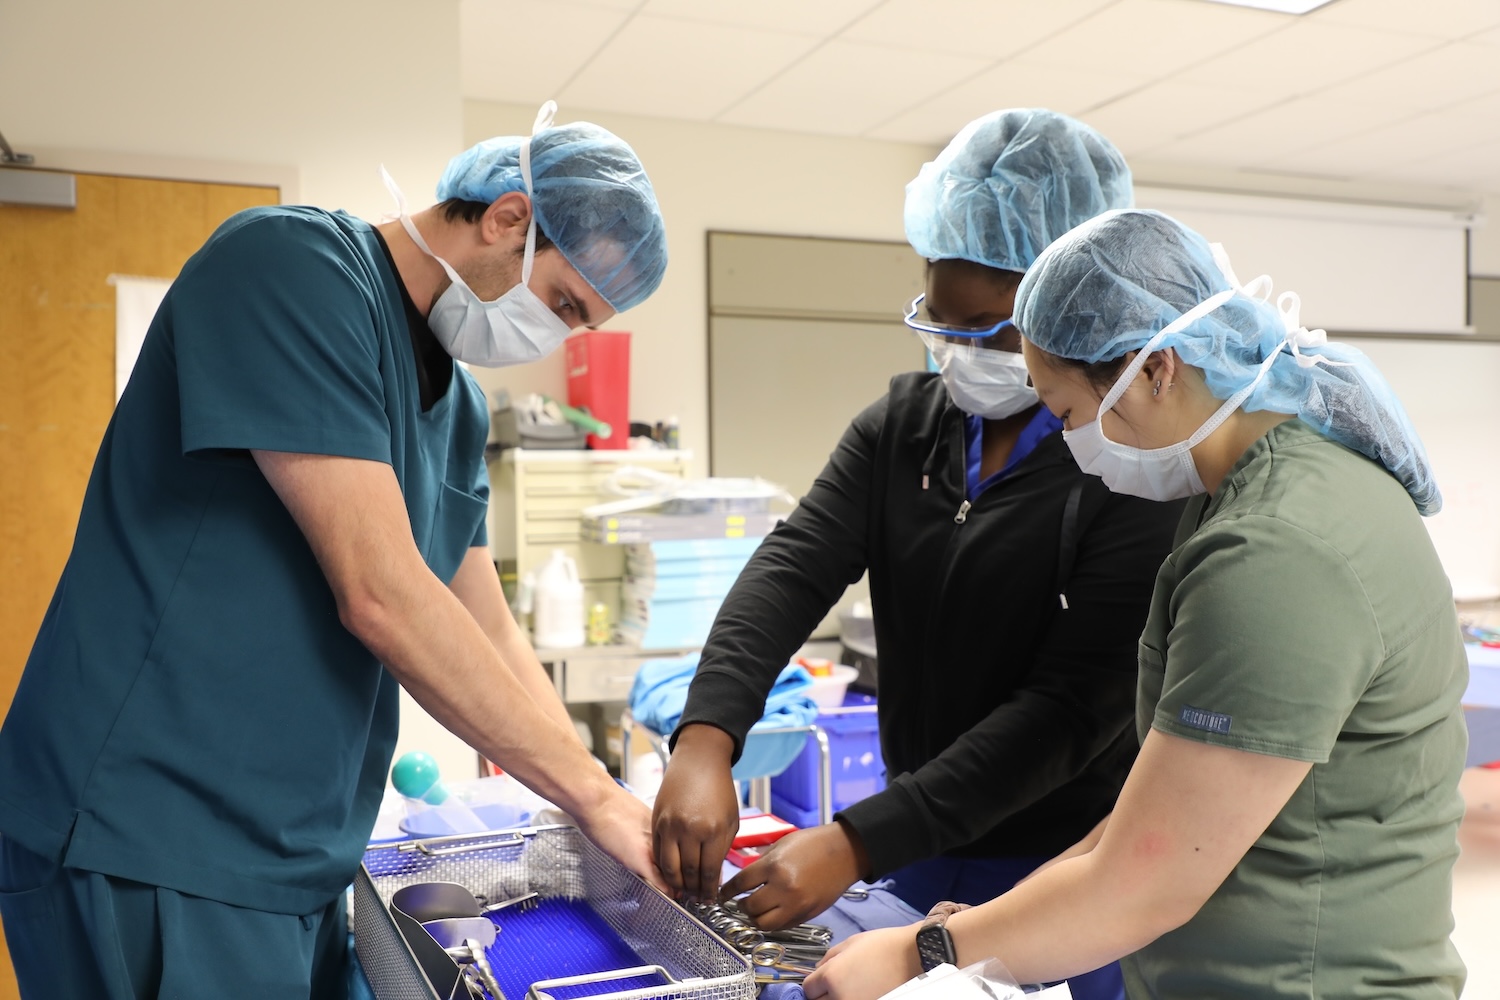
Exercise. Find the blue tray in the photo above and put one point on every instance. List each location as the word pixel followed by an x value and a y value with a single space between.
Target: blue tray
pixel 430 822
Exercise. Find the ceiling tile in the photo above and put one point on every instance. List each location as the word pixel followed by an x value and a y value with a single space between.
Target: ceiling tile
pixel 1163 112
pixel 1357 156
pixel 1153 39
pixel 1015 84
pixel 644 68
pixel 1445 19
pixel 1273 134
pixel 845 88
pixel 1478 160
pixel 495 71
pixel 1445 75
pixel 1391 90
pixel 822 18
pixel 1305 57
pixel 1447 134
pixel 993 28
pixel 1473 170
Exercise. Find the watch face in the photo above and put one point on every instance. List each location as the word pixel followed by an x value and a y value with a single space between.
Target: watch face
pixel 935 947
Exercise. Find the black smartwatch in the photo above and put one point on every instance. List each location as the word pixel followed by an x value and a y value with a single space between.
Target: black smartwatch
pixel 934 943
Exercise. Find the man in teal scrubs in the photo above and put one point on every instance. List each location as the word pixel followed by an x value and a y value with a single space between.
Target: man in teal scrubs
pixel 292 493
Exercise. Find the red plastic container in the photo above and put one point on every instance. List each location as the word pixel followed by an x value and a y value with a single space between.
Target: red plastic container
pixel 599 381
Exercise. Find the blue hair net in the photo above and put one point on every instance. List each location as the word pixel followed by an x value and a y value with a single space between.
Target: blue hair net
pixel 1009 184
pixel 591 197
pixel 1110 285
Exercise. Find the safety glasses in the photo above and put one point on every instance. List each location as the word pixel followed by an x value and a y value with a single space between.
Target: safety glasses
pixel 945 340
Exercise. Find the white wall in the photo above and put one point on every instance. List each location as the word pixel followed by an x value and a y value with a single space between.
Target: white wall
pixel 716 177
pixel 311 96
pixel 320 93
pixel 1449 390
pixel 1484 241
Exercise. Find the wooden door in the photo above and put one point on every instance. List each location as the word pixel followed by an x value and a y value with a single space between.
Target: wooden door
pixel 57 368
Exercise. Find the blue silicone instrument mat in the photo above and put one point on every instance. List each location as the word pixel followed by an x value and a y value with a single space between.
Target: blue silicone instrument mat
pixel 557 939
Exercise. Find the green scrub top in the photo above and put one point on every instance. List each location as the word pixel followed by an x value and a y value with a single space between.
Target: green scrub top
pixel 1305 615
pixel 193 714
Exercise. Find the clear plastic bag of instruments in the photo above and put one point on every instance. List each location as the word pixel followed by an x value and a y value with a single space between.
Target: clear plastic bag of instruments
pixel 988 980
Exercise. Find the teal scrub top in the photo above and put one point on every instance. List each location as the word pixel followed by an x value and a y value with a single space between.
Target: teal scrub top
pixel 193 714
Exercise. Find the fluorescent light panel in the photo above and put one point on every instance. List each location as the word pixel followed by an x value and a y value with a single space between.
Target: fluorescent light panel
pixel 1278 6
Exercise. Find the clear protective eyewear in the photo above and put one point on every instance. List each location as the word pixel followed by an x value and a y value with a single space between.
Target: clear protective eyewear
pixel 944 340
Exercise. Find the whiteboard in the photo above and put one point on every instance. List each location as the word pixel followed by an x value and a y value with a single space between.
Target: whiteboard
pixel 1357 268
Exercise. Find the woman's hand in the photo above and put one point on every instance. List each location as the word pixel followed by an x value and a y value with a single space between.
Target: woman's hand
pixel 867 965
pixel 803 874
pixel 697 812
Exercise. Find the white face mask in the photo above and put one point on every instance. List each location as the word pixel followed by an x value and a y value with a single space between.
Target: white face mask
pixel 987 383
pixel 1155 473
pixel 513 329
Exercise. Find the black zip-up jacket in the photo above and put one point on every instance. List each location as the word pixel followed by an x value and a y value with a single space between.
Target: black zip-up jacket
pixel 1006 719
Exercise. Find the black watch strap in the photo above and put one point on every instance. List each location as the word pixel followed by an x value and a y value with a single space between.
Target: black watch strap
pixel 935 946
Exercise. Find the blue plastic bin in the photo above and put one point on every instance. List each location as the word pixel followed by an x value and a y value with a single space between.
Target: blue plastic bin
pixel 855 764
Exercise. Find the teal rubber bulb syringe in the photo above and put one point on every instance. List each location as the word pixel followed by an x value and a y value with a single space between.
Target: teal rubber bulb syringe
pixel 416 777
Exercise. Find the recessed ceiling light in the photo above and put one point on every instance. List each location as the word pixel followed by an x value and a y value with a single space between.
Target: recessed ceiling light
pixel 1279 6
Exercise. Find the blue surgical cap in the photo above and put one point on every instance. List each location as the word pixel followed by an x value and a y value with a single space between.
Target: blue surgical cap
pixel 591 197
pixel 1009 184
pixel 1112 284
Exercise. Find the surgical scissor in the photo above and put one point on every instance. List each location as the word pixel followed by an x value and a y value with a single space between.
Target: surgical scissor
pixel 771 958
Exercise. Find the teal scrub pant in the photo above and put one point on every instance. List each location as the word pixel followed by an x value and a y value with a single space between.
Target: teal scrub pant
pixel 79 934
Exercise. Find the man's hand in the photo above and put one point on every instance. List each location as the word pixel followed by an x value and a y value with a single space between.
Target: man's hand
pixel 867 965
pixel 802 875
pixel 621 826
pixel 697 812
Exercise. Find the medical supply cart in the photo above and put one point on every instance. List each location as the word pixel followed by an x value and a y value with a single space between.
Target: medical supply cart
pixel 819 742
pixel 537 499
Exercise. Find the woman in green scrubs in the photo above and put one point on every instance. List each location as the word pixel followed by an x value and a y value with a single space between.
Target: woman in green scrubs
pixel 1290 826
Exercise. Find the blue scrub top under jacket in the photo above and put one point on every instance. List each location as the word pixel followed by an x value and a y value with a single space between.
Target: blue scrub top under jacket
pixel 193 714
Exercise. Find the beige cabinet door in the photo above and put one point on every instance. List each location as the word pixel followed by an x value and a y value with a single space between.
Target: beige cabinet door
pixel 803 334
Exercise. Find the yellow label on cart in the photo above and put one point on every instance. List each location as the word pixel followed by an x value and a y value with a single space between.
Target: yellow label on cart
pixel 734 533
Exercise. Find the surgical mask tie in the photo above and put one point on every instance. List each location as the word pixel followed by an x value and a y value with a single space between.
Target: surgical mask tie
pixel 1169 473
pixel 1288 305
pixel 1157 473
pixel 513 329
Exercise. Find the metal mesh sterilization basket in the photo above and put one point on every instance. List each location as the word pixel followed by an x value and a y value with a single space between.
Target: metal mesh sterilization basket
pixel 554 862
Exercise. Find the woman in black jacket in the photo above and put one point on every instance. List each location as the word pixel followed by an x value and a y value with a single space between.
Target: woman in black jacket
pixel 1009 588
